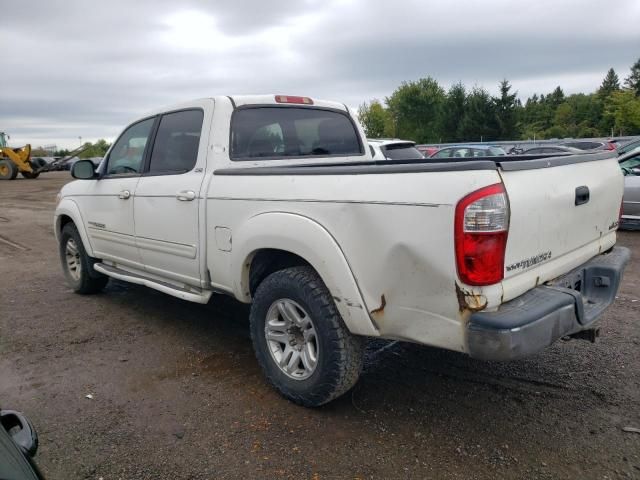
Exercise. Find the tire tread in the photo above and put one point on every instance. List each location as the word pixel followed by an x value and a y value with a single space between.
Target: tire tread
pixel 90 280
pixel 345 367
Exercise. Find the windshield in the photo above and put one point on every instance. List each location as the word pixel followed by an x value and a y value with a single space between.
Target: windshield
pixel 278 132
pixel 631 166
pixel 629 146
pixel 402 151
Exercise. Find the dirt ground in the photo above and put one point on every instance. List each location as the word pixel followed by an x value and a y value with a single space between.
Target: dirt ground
pixel 177 393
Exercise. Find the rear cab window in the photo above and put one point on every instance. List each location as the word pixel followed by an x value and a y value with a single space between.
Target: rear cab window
pixel 175 149
pixel 263 133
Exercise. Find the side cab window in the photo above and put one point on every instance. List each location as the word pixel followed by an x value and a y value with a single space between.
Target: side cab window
pixel 126 156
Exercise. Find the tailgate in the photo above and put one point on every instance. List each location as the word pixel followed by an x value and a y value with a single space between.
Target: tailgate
pixel 561 216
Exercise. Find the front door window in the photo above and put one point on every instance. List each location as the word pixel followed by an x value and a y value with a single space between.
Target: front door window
pixel 127 154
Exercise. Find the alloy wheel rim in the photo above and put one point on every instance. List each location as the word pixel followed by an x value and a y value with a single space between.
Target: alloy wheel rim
pixel 72 256
pixel 291 339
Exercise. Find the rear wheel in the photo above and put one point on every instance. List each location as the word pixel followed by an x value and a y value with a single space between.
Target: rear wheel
pixel 77 264
pixel 303 346
pixel 8 169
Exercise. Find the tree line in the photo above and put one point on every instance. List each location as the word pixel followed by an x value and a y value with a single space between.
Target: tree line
pixel 97 149
pixel 423 111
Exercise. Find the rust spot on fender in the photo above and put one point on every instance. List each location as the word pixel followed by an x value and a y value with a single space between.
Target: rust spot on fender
pixel 380 309
pixel 469 301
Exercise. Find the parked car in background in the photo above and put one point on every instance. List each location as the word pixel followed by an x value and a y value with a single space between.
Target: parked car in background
pixel 68 165
pixel 630 165
pixel 629 147
pixel 561 149
pixel 18 445
pixel 469 151
pixel 394 149
pixel 427 150
pixel 589 145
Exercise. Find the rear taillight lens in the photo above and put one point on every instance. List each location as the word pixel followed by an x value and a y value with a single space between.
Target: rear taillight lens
pixel 611 146
pixel 481 228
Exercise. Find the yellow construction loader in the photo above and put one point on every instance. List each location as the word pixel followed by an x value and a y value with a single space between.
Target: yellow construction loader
pixel 18 160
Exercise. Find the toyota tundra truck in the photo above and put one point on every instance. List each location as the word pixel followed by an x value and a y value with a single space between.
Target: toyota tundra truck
pixel 276 201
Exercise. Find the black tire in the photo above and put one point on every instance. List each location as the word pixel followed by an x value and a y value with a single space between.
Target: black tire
pixel 339 354
pixel 8 169
pixel 36 163
pixel 83 279
pixel 30 175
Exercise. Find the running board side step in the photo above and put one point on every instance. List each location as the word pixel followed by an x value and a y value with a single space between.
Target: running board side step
pixel 185 294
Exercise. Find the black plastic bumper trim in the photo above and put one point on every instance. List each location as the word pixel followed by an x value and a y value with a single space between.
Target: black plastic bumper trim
pixel 536 319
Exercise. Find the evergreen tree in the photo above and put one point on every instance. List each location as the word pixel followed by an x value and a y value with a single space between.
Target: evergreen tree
pixel 555 98
pixel 479 121
pixel 632 82
pixel 506 114
pixel 453 113
pixel 610 84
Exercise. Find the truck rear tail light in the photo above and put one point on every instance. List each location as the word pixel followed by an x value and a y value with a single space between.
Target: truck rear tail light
pixel 481 229
pixel 290 99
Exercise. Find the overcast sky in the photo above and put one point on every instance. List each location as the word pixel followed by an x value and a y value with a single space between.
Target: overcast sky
pixel 75 68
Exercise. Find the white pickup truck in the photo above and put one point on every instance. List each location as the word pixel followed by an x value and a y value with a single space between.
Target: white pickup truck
pixel 276 201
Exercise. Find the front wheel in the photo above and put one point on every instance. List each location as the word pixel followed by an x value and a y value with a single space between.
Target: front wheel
pixel 77 264
pixel 8 169
pixel 301 342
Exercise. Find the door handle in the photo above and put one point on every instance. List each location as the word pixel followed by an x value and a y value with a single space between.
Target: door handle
pixel 186 195
pixel 124 194
pixel 582 195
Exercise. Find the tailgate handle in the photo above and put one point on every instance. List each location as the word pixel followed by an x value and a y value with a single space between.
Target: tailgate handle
pixel 582 195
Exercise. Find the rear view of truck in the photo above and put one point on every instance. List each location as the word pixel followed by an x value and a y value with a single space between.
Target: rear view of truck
pixel 547 235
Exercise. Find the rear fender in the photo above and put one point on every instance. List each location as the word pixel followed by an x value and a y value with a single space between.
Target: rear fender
pixel 313 243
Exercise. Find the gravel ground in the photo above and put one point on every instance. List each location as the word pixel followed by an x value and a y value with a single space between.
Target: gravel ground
pixel 177 393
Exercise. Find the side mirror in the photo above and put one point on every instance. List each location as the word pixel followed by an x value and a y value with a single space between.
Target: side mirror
pixel 83 170
pixel 21 431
